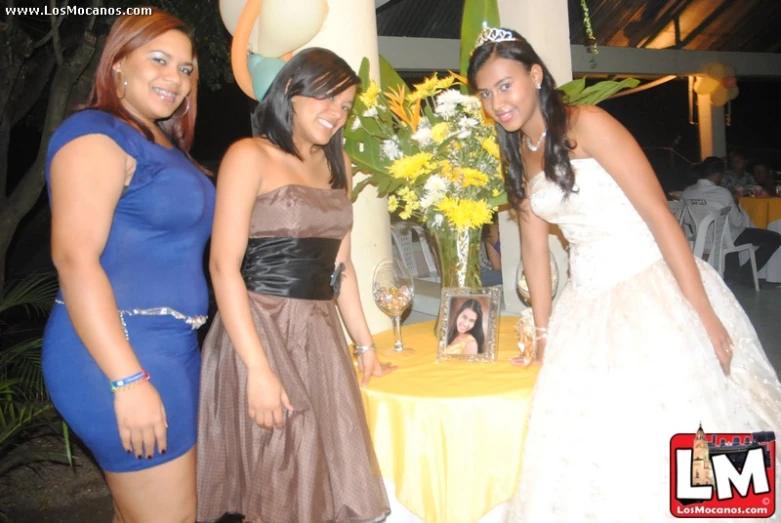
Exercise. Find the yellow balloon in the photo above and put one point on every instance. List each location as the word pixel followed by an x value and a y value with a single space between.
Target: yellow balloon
pixel 705 85
pixel 719 97
pixel 733 92
pixel 715 70
pixel 286 25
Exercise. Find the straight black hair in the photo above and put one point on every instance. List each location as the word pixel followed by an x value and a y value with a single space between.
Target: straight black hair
pixel 314 73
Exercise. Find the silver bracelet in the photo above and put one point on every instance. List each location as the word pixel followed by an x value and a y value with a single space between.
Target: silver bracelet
pixel 360 349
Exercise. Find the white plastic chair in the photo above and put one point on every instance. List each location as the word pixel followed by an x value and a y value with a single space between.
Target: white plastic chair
pixel 677 207
pixel 719 239
pixel 401 233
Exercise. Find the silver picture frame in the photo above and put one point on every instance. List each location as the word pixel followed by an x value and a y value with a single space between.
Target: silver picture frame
pixel 478 310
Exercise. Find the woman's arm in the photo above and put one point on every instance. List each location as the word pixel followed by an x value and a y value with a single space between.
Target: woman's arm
pixel 606 140
pixel 238 184
pixel 535 255
pixel 87 178
pixel 350 307
pixel 493 255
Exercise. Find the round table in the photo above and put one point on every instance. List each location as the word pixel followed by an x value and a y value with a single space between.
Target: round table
pixel 449 435
pixel 762 211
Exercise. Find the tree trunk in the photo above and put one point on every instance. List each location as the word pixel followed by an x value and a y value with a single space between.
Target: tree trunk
pixel 27 191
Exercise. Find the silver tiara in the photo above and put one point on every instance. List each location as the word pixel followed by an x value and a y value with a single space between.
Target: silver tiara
pixel 495 35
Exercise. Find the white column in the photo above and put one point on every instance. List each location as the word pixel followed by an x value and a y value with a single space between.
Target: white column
pixel 350 30
pixel 544 23
pixel 712 128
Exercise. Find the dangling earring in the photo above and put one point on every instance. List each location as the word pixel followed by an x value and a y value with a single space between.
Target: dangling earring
pixel 124 84
pixel 186 110
pixel 539 86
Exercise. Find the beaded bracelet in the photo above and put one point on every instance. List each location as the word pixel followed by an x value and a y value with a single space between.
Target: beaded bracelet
pixel 541 333
pixel 124 382
pixel 360 349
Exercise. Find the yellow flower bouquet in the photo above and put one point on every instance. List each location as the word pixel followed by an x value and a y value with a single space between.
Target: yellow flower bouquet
pixel 431 150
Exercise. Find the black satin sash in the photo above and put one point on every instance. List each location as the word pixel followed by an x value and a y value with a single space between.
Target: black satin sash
pixel 301 268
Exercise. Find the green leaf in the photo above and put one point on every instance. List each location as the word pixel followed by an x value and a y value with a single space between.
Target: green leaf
pixel 476 13
pixel 363 73
pixel 358 187
pixel 573 89
pixel 601 91
pixel 35 292
pixel 389 78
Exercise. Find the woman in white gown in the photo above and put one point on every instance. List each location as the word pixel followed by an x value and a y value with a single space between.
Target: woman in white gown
pixel 645 341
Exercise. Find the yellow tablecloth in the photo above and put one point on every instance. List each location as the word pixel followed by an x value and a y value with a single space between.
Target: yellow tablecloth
pixel 762 211
pixel 449 435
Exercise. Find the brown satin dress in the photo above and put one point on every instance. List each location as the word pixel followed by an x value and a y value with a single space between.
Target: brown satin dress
pixel 321 467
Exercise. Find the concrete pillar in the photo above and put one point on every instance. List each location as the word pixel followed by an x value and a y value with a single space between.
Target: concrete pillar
pixel 544 24
pixel 712 128
pixel 350 30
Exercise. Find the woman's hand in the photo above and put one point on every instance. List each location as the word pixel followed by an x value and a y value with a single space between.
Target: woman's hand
pixel 266 397
pixel 141 419
pixel 520 361
pixel 719 337
pixel 370 366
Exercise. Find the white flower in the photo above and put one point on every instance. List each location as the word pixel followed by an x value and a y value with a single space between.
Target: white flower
pixel 360 147
pixel 391 149
pixel 423 136
pixel 371 112
pixel 356 124
pixel 467 123
pixel 438 219
pixel 436 183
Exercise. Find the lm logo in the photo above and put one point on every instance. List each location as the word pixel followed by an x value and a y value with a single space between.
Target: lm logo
pixel 722 475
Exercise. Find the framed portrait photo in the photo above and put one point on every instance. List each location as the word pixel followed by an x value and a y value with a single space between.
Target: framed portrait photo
pixel 469 323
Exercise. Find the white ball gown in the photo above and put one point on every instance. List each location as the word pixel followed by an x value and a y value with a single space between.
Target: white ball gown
pixel 628 364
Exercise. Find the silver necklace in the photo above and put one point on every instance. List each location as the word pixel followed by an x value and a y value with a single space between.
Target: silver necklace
pixel 535 147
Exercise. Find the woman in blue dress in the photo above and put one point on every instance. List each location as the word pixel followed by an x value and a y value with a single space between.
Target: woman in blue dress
pixel 131 214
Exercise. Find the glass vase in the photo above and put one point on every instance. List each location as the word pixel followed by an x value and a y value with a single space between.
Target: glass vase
pixel 458 252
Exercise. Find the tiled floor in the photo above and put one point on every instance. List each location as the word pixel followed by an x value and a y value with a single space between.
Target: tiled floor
pixel 763 308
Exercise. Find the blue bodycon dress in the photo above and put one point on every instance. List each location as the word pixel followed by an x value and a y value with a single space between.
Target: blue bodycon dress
pixel 154 260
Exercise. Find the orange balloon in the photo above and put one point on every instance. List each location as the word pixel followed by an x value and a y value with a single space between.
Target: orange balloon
pixel 729 82
pixel 240 43
pixel 719 97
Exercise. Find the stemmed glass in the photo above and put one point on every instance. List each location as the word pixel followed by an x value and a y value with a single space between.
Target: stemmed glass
pixel 393 290
pixel 527 334
pixel 523 287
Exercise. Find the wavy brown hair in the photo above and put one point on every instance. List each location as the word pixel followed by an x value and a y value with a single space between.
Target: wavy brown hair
pixel 128 34
pixel 556 160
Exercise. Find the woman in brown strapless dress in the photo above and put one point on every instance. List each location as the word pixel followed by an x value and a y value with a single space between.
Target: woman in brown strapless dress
pixel 282 433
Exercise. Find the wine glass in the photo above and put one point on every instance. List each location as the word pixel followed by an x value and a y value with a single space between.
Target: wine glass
pixel 523 286
pixel 527 334
pixel 393 290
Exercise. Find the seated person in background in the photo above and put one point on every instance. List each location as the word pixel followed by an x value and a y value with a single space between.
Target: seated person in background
pixel 737 178
pixel 490 255
pixel 764 177
pixel 707 189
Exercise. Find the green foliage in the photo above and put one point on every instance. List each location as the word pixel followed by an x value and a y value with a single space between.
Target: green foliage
pixel 24 403
pixel 576 92
pixel 476 13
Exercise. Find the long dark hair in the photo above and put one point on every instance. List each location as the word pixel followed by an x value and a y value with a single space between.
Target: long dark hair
pixel 314 73
pixel 556 161
pixel 477 329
